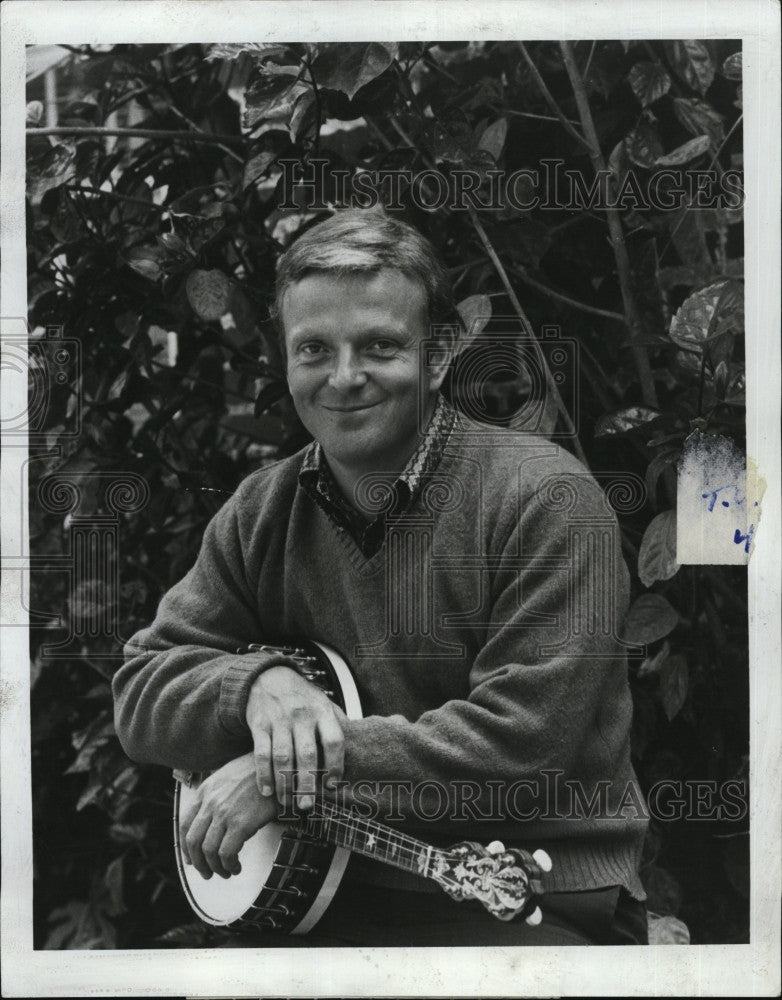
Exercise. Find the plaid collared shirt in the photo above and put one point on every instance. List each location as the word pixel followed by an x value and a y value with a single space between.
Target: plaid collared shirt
pixel 318 482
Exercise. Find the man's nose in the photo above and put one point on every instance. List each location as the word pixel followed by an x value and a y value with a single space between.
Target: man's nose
pixel 347 372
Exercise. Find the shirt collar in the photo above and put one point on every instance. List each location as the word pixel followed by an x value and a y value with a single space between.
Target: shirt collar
pixel 315 475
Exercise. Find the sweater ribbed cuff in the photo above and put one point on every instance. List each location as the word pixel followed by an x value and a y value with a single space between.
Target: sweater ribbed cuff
pixel 237 681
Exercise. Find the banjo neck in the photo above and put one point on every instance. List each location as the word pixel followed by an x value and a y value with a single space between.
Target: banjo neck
pixel 338 826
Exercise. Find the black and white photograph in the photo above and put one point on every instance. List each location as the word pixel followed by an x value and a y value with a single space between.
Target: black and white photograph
pixel 390 498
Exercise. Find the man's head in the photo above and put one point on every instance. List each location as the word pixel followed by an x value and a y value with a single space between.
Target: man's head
pixel 355 299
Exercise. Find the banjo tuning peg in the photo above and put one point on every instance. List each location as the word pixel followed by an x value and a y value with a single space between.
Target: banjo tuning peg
pixel 542 860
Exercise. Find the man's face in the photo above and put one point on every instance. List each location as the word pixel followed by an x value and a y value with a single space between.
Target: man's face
pixel 354 365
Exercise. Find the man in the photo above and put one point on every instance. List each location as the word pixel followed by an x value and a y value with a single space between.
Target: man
pixel 471 577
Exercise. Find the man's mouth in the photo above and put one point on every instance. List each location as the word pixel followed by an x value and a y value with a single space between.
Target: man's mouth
pixel 353 408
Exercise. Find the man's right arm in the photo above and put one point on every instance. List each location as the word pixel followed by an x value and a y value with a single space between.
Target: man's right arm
pixel 181 695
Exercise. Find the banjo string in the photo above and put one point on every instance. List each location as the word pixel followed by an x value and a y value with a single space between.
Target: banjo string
pixel 394 847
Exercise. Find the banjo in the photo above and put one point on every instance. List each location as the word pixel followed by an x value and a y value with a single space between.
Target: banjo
pixel 291 871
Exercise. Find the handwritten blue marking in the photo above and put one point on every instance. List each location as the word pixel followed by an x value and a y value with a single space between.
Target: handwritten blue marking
pixel 712 496
pixel 738 538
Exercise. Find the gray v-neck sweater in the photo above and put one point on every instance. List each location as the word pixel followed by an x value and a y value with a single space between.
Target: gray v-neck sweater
pixel 482 636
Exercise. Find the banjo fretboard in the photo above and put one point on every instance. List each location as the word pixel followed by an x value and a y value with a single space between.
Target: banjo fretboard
pixel 364 836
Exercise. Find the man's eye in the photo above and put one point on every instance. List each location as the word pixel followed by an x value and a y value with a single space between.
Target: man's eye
pixel 311 350
pixel 382 346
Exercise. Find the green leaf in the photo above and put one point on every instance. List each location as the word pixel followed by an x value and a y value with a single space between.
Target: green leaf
pixel 34 112
pixel 650 618
pixel 649 81
pixel 195 935
pixel 643 145
pixel 475 313
pixel 731 67
pixel 655 469
pixel 618 161
pixel 654 664
pixel 493 138
pixel 685 153
pixel 53 167
pixel 657 554
pixel 700 118
pixel 349 67
pixel 271 99
pixel 129 833
pixel 272 145
pixel 707 315
pixel 674 682
pixel 146 261
pixel 112 881
pixel 269 395
pixel 692 62
pixel 209 293
pixel 259 50
pixel 623 421
pixel 303 115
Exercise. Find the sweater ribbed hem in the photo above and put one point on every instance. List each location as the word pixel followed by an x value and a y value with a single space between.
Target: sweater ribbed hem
pixel 236 683
pixel 575 867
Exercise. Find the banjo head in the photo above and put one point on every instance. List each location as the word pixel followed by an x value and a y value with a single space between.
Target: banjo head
pixel 287 878
pixel 223 902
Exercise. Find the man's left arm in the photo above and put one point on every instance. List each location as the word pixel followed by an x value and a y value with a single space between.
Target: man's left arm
pixel 529 708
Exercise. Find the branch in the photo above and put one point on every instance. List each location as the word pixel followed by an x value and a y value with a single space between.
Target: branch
pixel 558 296
pixel 624 271
pixel 549 99
pixel 199 131
pixel 140 133
pixel 551 385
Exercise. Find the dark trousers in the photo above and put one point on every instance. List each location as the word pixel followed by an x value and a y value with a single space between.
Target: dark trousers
pixel 370 916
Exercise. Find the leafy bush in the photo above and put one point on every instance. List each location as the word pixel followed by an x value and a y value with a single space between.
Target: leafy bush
pixel 137 236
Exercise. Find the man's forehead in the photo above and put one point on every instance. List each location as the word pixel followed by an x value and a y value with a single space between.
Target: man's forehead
pixel 385 290
pixel 382 280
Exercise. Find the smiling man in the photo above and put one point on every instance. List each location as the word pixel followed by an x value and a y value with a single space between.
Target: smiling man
pixel 471 576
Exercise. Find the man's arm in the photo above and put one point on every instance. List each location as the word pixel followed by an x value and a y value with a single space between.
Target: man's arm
pixel 528 709
pixel 184 697
pixel 180 696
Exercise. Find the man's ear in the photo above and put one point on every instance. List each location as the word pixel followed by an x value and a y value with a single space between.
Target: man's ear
pixel 441 354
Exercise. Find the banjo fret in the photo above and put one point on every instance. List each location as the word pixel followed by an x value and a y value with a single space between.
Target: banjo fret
pixel 365 836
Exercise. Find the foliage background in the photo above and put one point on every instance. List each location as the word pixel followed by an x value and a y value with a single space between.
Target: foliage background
pixel 153 211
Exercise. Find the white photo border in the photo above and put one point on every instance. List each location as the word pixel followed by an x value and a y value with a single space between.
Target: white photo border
pixel 717 970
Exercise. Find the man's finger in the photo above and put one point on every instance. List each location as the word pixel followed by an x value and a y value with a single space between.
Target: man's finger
pixel 233 841
pixel 332 743
pixel 264 769
pixel 282 759
pixel 211 848
pixel 306 750
pixel 195 838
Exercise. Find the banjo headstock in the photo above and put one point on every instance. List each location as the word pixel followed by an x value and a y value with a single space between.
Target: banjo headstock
pixel 506 882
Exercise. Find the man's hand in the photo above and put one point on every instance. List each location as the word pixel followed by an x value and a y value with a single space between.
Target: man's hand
pixel 291 720
pixel 226 811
